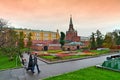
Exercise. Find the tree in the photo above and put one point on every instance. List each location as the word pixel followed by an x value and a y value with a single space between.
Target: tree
pixel 62 37
pixel 12 38
pixel 21 40
pixel 92 41
pixel 118 40
pixel 29 41
pixel 3 24
pixel 116 34
pixel 108 41
pixel 99 39
pixel 8 38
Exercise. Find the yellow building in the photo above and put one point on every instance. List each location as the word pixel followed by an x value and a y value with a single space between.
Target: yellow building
pixel 40 34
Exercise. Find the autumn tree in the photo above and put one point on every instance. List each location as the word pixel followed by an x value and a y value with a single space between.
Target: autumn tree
pixel 108 41
pixel 8 38
pixel 29 40
pixel 21 40
pixel 3 24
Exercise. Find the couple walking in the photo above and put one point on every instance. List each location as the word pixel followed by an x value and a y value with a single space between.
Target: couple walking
pixel 32 63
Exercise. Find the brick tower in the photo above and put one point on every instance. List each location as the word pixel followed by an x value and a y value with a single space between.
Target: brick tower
pixel 71 34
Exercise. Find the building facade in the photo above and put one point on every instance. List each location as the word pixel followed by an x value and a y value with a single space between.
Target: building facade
pixel 71 34
pixel 85 40
pixel 40 36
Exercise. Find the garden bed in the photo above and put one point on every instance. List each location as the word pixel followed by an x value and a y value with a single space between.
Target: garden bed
pixel 68 56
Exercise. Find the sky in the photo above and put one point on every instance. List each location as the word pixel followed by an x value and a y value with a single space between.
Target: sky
pixel 50 15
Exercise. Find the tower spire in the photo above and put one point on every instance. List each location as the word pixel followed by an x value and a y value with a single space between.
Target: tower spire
pixel 71 20
pixel 71 24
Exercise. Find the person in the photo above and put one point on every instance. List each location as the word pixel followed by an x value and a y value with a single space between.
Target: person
pixel 22 58
pixel 25 63
pixel 30 64
pixel 28 52
pixel 36 63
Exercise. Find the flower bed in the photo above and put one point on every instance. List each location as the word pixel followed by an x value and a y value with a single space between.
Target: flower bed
pixel 71 55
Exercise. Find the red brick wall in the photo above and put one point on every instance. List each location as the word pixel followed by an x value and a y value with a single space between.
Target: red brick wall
pixel 72 36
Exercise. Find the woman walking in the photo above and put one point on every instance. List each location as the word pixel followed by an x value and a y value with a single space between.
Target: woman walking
pixel 30 64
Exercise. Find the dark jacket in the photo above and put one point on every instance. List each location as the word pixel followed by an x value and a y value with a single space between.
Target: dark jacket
pixel 35 59
pixel 30 64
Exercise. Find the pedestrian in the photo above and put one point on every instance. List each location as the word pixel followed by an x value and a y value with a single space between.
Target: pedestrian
pixel 36 63
pixel 30 64
pixel 28 52
pixel 25 63
pixel 22 58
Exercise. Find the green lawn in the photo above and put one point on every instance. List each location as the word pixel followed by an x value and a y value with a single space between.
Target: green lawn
pixel 5 63
pixel 99 52
pixel 91 73
pixel 54 51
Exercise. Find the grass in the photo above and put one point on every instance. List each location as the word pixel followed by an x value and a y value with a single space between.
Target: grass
pixel 54 51
pixel 74 56
pixel 79 50
pixel 91 73
pixel 50 58
pixel 5 63
pixel 98 52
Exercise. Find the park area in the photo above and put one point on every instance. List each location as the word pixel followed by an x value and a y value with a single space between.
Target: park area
pixel 58 55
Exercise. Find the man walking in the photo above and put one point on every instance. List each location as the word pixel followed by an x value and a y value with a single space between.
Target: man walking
pixel 35 62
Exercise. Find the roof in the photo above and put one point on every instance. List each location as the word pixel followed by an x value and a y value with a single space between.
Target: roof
pixel 75 43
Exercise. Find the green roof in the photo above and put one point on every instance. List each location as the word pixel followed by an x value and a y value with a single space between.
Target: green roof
pixel 75 43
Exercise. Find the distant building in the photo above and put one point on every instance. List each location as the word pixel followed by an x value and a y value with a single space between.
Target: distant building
pixel 71 34
pixel 82 38
pixel 40 36
pixel 85 40
pixel 46 47
pixel 73 46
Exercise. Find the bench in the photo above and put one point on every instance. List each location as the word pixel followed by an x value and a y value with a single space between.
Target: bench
pixel 114 56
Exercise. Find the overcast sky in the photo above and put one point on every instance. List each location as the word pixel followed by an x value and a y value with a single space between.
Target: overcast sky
pixel 50 15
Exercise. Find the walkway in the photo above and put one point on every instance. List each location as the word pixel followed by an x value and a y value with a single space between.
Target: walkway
pixel 48 70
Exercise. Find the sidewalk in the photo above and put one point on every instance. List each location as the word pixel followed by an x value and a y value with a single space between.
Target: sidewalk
pixel 48 70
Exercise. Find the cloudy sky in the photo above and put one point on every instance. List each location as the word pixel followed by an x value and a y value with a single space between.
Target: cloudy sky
pixel 50 15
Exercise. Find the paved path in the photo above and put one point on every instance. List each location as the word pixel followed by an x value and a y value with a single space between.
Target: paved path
pixel 50 69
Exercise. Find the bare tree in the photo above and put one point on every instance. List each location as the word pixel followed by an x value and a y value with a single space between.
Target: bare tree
pixel 8 36
pixel 3 24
